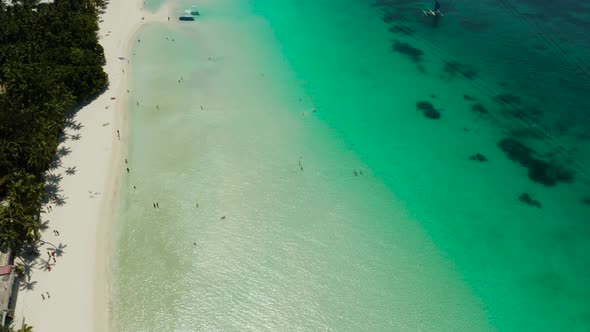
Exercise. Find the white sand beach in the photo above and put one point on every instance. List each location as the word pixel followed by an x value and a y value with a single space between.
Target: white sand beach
pixel 74 294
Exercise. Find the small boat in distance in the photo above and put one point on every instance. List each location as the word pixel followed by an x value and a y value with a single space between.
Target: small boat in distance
pixel 193 11
pixel 435 11
pixel 186 18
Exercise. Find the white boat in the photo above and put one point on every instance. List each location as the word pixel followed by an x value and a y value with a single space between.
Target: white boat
pixel 435 11
pixel 193 11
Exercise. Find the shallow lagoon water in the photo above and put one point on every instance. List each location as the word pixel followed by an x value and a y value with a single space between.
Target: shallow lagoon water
pixel 424 239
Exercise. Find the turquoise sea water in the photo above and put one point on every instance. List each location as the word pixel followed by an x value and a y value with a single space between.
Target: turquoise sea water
pixel 265 113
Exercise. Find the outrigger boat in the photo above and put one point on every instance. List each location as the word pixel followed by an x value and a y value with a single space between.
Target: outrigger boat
pixel 435 11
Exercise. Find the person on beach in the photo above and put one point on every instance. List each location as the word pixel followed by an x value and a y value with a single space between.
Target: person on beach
pixel 43 296
pixel 127 169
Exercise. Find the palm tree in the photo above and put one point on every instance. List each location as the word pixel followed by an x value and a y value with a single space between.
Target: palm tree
pixel 25 328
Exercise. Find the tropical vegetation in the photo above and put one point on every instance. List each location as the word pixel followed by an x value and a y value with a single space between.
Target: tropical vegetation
pixel 50 62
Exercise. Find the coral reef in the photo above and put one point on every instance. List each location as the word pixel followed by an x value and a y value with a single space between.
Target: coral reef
pixel 478 157
pixel 404 48
pixel 541 171
pixel 479 108
pixel 527 199
pixel 453 68
pixel 428 109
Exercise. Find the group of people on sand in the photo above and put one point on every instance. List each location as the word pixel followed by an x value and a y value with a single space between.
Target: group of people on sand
pixel 50 257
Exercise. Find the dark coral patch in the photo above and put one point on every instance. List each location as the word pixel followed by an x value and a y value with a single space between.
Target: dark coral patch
pixel 468 97
pixel 454 68
pixel 479 108
pixel 527 199
pixel 541 171
pixel 424 105
pixel 432 113
pixel 428 109
pixel 586 200
pixel 478 157
pixel 506 98
pixel 404 48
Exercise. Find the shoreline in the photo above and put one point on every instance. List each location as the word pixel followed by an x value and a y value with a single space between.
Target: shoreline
pixel 109 205
pixel 80 281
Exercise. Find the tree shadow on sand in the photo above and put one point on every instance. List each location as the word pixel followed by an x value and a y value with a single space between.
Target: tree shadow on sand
pixel 71 170
pixel 55 163
pixel 53 178
pixel 44 225
pixel 52 189
pixel 71 123
pixel 59 200
pixel 63 151
pixel 27 285
pixel 59 249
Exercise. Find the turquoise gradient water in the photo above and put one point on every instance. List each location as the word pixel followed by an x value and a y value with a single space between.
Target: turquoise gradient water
pixel 251 127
